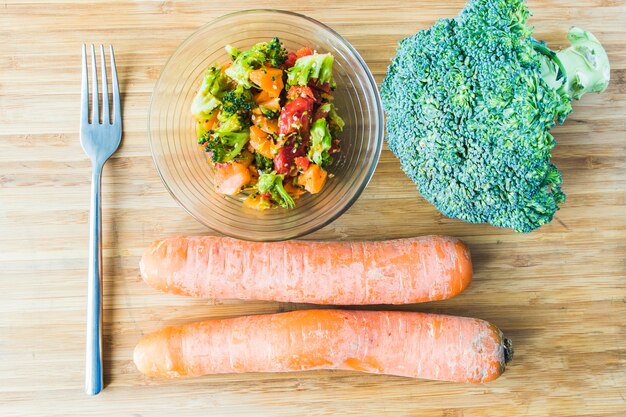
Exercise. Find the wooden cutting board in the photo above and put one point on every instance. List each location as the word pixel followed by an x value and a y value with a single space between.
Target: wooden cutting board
pixel 559 292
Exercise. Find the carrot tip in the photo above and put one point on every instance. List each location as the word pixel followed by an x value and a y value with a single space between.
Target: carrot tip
pixel 508 350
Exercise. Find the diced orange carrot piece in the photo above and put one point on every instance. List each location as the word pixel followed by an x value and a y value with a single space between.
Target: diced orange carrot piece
pixel 261 143
pixel 246 157
pixel 262 96
pixel 269 80
pixel 258 202
pixel 294 191
pixel 313 178
pixel 271 104
pixel 262 122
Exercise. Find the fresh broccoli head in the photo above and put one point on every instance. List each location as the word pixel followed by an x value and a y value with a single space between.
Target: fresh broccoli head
pixel 312 67
pixel 470 103
pixel 273 184
pixel 224 146
pixel 209 96
pixel 321 142
pixel 244 62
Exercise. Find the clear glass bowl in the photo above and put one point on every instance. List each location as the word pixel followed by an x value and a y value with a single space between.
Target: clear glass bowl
pixel 183 165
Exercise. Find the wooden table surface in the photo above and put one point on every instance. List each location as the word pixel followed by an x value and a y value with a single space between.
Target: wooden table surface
pixel 559 292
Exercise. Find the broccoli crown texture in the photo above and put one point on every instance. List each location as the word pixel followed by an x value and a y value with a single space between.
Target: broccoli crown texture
pixel 224 145
pixel 273 184
pixel 239 100
pixel 208 98
pixel 469 115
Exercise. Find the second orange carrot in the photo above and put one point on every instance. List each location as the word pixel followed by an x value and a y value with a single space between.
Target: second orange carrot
pixel 401 271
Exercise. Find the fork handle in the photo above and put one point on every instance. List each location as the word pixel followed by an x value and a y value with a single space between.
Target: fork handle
pixel 93 371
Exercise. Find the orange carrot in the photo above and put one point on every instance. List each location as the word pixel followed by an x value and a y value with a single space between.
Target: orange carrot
pixel 269 80
pixel 416 345
pixel 398 271
pixel 262 97
pixel 245 158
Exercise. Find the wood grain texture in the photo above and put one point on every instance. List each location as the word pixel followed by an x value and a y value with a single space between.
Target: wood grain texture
pixel 559 293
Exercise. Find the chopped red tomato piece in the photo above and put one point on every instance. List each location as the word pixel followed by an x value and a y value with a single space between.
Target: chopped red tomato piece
pixel 302 161
pixel 304 52
pixel 291 60
pixel 300 91
pixel 284 158
pixel 295 116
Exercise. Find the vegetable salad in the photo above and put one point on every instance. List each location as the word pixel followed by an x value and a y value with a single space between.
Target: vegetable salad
pixel 268 123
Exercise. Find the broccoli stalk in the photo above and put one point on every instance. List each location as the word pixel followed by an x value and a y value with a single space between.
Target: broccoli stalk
pixel 470 103
pixel 273 184
pixel 581 68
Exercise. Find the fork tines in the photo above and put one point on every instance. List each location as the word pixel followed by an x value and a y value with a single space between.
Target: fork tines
pixel 95 110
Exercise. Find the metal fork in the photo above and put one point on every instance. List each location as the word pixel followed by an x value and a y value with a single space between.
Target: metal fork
pixel 99 140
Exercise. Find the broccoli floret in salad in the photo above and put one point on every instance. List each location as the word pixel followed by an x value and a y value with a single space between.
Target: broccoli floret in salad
pixel 335 122
pixel 209 96
pixel 232 122
pixel 262 163
pixel 239 100
pixel 271 52
pixel 273 184
pixel 318 67
pixel 224 146
pixel 275 53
